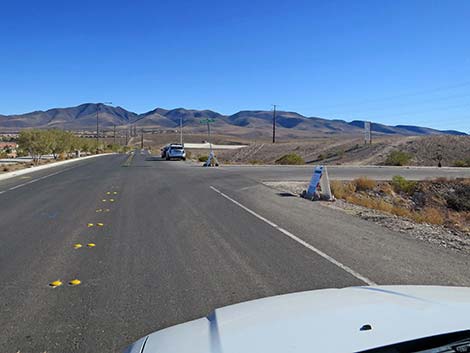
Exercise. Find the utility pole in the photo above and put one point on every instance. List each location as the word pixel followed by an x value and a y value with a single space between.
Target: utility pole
pixel 208 122
pixel 209 135
pixel 97 127
pixel 127 136
pixel 142 139
pixel 181 130
pixel 114 135
pixel 274 123
pixel 98 124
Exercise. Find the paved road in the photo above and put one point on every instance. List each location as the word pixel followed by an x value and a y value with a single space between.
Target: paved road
pixel 177 242
pixel 296 173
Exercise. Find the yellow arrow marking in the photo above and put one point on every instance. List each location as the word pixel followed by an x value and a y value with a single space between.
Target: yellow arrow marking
pixel 99 224
pixel 104 200
pixel 90 225
pixel 99 210
pixel 91 245
pixel 111 200
pixel 55 284
pixel 77 246
pixel 107 210
pixel 114 193
pixel 75 282
pixel 108 193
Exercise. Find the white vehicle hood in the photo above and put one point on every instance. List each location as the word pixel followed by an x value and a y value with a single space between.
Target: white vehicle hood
pixel 320 321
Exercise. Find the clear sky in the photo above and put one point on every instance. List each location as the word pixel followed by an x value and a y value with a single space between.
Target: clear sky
pixel 394 61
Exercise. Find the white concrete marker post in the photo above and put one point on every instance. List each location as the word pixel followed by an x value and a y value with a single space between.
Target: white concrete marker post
pixel 211 160
pixel 325 186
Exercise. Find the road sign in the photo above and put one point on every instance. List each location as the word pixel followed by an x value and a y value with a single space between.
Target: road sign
pixel 367 135
pixel 206 121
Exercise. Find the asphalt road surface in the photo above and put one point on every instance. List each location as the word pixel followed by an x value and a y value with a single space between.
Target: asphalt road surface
pixel 177 242
pixel 301 173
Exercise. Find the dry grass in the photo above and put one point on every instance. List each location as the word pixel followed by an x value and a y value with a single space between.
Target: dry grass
pixel 385 188
pixel 428 215
pixel 364 184
pixel 368 202
pixel 401 212
pixel 341 190
pixel 380 196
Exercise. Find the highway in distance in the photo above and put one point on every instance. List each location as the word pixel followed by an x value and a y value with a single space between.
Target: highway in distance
pixel 157 243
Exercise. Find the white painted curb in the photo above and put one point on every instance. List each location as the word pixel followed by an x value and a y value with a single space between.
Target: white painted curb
pixel 46 166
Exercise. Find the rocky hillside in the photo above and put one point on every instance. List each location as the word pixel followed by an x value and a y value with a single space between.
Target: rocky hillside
pixel 248 123
pixel 423 151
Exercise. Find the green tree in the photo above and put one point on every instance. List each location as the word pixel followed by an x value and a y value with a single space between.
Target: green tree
pixel 36 142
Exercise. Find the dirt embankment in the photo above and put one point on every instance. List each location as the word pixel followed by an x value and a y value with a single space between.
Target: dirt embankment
pixel 422 151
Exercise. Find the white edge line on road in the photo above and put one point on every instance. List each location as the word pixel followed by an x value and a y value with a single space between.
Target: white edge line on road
pixel 35 180
pixel 300 241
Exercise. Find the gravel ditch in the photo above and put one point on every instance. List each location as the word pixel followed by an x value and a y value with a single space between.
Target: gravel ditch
pixel 435 234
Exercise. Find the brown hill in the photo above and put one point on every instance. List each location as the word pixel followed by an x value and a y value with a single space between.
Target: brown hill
pixel 248 124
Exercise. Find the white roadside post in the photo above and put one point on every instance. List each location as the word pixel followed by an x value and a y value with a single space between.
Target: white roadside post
pixel 325 186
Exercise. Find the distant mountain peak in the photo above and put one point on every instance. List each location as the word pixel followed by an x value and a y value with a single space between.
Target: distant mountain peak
pixel 244 122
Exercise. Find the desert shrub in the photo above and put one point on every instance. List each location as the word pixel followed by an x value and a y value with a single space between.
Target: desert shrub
pixel 321 156
pixel 255 161
pixel 385 188
pixel 398 158
pixel 364 184
pixel 401 184
pixel 341 189
pixel 462 163
pixel 459 200
pixel 337 189
pixel 401 211
pixel 370 203
pixel 203 158
pixel 384 206
pixel 290 159
pixel 188 154
pixel 429 215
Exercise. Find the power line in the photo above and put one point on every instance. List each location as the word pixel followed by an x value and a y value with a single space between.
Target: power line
pixel 442 99
pixel 445 108
pixel 402 95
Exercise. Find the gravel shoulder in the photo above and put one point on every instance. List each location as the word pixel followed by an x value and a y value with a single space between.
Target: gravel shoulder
pixel 435 234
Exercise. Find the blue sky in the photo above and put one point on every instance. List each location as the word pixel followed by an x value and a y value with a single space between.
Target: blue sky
pixel 395 62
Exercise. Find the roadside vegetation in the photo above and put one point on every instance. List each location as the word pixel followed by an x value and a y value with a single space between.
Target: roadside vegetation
pixel 462 163
pixel 290 159
pixel 61 144
pixel 440 201
pixel 398 158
